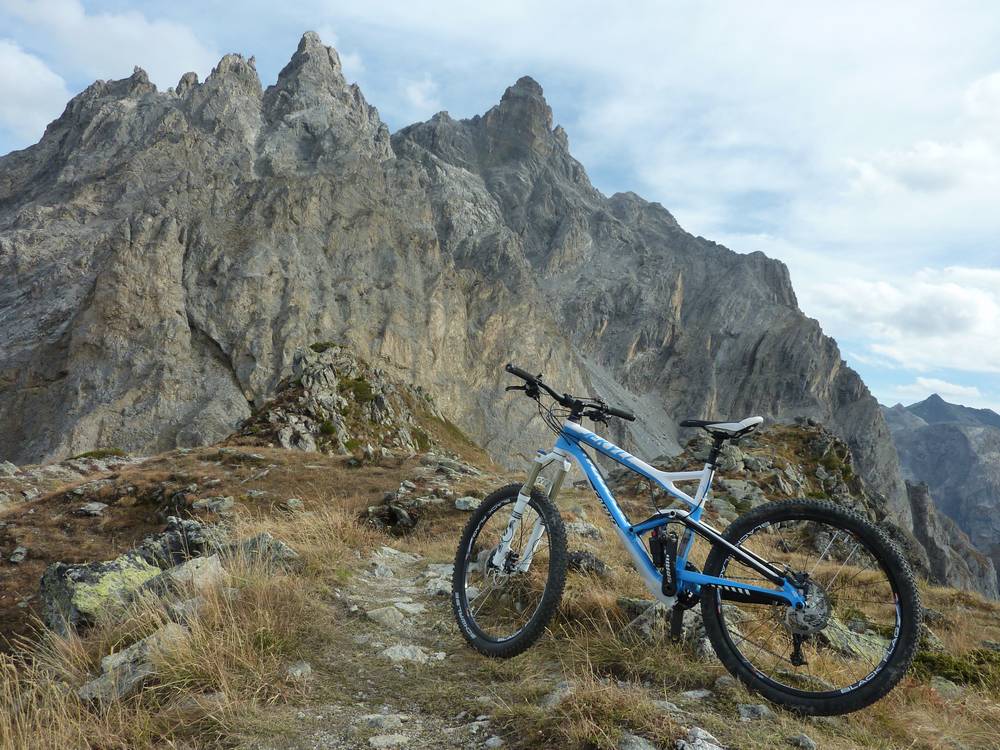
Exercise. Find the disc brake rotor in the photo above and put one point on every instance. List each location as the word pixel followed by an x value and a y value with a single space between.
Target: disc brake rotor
pixel 813 616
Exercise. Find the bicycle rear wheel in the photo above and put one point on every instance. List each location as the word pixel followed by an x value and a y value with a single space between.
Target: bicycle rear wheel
pixel 502 610
pixel 857 634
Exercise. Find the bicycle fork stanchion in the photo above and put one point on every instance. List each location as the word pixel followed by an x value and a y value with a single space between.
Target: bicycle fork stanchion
pixel 523 497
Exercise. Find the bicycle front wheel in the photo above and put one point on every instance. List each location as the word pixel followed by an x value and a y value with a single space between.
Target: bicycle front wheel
pixel 503 609
pixel 856 635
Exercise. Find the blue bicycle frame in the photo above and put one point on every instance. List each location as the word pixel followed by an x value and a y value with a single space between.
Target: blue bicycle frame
pixel 570 445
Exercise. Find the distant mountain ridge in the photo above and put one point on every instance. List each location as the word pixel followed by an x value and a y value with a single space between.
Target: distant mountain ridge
pixel 935 410
pixel 955 451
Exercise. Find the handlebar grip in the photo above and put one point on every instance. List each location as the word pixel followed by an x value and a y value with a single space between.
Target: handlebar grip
pixel 520 373
pixel 627 415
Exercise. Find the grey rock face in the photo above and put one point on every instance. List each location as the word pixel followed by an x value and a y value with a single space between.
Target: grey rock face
pixel 955 451
pixel 953 559
pixel 163 255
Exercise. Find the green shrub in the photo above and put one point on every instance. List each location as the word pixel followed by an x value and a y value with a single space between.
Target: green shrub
pixel 321 346
pixel 327 428
pixel 102 453
pixel 360 388
pixel 980 666
pixel 422 440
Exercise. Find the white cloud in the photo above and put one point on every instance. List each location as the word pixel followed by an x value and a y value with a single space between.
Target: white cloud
pixel 31 95
pixel 109 45
pixel 922 387
pixel 422 96
pixel 944 318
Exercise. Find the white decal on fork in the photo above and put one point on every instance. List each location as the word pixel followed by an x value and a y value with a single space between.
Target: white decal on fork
pixel 515 518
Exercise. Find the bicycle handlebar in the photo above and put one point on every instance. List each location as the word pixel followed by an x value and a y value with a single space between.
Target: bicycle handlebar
pixel 576 404
pixel 620 413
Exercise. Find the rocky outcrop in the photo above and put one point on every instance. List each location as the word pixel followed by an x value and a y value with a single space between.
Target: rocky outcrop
pixel 955 451
pixel 337 402
pixel 164 255
pixel 952 558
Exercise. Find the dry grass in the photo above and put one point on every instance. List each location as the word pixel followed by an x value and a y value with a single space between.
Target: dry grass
pixel 227 680
pixel 230 666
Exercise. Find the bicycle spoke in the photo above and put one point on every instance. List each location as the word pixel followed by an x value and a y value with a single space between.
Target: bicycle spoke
pixel 506 597
pixel 852 604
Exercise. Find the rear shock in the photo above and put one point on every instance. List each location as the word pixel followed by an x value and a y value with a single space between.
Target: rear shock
pixel 663 551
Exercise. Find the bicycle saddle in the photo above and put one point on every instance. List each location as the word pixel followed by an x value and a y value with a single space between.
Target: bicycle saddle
pixel 729 429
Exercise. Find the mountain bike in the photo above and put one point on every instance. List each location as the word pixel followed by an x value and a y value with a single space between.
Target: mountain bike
pixel 805 601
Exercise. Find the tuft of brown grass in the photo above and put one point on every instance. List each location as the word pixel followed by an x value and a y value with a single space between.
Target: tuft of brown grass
pixel 230 666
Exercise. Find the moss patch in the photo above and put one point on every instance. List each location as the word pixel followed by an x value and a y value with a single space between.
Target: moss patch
pixel 102 453
pixel 321 346
pixel 359 388
pixel 980 666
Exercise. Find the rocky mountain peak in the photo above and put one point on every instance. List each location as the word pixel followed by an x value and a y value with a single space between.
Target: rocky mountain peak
pixel 314 63
pixel 314 113
pixel 234 67
pixel 520 126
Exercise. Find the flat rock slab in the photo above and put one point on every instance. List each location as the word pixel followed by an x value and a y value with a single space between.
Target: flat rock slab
pixel 126 671
pixel 197 573
pixel 409 652
pixel 389 616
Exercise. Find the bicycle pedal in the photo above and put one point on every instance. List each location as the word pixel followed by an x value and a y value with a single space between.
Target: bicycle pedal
pixel 676 622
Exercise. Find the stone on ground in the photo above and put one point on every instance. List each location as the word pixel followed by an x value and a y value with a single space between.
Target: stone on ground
pixel 698 739
pixel 390 617
pixel 467 503
pixel 73 595
pixel 125 672
pixel 631 741
pixel 753 711
pixel 409 652
pixel 803 741
pixel 388 740
pixel 197 573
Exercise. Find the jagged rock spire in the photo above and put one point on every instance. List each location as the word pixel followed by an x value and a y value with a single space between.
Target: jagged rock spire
pixel 330 117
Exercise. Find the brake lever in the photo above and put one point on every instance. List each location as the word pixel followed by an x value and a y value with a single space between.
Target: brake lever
pixel 516 388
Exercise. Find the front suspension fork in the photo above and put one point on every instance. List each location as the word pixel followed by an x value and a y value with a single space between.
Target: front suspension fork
pixel 523 498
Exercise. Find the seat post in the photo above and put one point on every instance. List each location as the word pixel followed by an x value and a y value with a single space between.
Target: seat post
pixel 713 455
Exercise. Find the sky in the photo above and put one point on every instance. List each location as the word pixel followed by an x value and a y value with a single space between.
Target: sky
pixel 857 142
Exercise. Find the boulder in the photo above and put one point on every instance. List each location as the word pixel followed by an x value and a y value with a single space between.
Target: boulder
pixel 584 529
pixel 582 561
pixel 262 547
pixel 217 504
pixel 124 672
pixel 181 540
pixel 75 595
pixel 698 739
pixel 866 646
pixel 197 573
